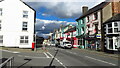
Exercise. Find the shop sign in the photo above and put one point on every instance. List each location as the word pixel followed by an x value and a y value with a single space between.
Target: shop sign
pixel 98 35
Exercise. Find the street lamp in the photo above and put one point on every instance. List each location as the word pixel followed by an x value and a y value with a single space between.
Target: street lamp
pixel 36 31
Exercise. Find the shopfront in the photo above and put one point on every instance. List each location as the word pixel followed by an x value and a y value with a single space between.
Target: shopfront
pixel 92 42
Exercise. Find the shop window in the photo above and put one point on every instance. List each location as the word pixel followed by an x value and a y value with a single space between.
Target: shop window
pixel 110 43
pixel 116 43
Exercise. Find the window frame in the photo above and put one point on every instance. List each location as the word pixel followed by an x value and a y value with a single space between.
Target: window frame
pixel 0 25
pixel 24 26
pixel 113 27
pixel 25 14
pixel 1 11
pixel 24 39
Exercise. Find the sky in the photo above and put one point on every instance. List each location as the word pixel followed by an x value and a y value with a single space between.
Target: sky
pixel 50 14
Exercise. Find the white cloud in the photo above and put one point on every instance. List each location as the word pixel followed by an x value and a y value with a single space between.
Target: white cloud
pixel 62 0
pixel 63 9
pixel 50 25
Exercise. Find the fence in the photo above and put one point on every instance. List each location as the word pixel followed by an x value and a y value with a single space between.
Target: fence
pixel 8 63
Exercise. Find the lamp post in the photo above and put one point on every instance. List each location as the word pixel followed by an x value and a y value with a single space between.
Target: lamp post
pixel 35 35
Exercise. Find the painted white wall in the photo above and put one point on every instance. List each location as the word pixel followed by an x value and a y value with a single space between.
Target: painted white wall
pixel 12 20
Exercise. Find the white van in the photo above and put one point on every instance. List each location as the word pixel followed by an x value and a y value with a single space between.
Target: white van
pixel 66 44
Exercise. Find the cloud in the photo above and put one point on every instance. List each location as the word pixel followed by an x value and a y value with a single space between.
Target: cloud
pixel 64 0
pixel 62 9
pixel 49 25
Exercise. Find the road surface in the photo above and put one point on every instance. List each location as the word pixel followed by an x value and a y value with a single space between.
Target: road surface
pixel 65 58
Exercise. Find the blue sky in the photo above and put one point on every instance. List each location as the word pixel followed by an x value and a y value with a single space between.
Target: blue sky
pixel 53 13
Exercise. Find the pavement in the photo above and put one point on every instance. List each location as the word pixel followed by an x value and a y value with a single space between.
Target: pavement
pixel 98 52
pixel 24 50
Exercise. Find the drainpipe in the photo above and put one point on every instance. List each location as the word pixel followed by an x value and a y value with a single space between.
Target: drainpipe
pixel 102 33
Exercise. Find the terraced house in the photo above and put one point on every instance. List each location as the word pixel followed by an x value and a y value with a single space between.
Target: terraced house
pixel 90 24
pixel 16 24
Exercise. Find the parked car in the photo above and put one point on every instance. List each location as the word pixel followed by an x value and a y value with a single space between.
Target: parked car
pixel 66 44
pixel 52 44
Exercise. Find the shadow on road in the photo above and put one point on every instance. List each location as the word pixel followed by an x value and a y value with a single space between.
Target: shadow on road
pixel 3 60
pixel 28 60
pixel 50 67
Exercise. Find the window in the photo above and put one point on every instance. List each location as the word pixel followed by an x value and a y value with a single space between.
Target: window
pixel 115 30
pixel 23 39
pixel 110 43
pixel 96 15
pixel 88 19
pixel 115 24
pixel 115 27
pixel 1 39
pixel 0 25
pixel 82 22
pixel 25 14
pixel 24 26
pixel 0 11
pixel 110 29
pixel 82 30
pixel 110 25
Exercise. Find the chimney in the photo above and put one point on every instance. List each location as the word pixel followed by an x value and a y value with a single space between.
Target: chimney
pixel 84 9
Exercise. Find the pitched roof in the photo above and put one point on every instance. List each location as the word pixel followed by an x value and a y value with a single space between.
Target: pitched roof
pixel 96 8
pixel 72 29
pixel 114 18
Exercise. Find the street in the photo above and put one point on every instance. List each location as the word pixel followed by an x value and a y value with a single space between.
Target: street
pixel 65 58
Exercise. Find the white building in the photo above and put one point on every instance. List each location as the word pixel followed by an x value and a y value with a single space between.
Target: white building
pixel 112 35
pixel 16 24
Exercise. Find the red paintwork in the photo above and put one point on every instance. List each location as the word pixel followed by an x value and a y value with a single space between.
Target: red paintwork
pixel 33 45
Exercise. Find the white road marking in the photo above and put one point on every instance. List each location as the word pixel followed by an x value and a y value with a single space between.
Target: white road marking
pixel 46 55
pixel 9 51
pixel 101 60
pixel 15 52
pixel 31 57
pixel 57 60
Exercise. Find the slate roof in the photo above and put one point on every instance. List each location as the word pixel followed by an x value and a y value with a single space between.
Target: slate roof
pixel 69 30
pixel 96 8
pixel 114 18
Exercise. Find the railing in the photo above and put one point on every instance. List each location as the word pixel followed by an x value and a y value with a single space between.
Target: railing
pixel 8 63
